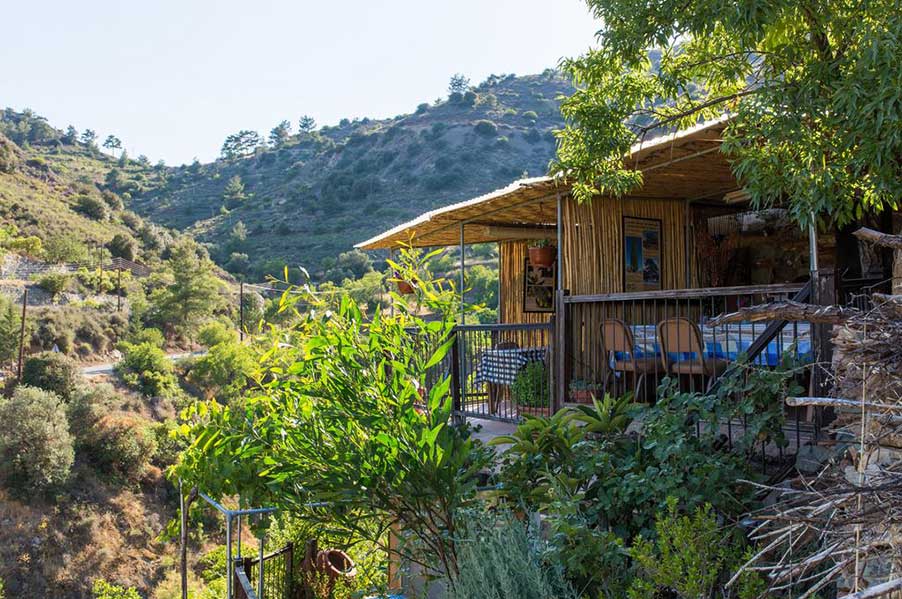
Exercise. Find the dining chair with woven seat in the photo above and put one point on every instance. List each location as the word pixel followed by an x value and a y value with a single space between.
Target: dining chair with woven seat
pixel 618 346
pixel 679 337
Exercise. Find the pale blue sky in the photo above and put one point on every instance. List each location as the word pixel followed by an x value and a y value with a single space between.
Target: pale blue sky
pixel 172 78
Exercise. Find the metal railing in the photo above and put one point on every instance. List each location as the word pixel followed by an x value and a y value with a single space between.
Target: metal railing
pixel 502 371
pixel 278 580
pixel 629 342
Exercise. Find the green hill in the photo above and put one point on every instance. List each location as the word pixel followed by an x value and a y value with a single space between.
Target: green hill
pixel 312 195
pixel 67 193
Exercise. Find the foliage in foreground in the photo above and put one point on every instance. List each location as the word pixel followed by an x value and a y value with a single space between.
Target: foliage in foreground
pixel 501 558
pixel 600 488
pixel 339 421
pixel 813 85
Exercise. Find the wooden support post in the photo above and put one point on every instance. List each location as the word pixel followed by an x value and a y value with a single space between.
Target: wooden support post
pixel 560 350
pixel 824 294
pixel 394 559
pixel 22 333
pixel 184 507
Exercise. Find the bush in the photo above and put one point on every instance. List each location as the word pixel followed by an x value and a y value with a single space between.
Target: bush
pixel 216 332
pixel 530 388
pixel 485 128
pixel 35 446
pixel 62 324
pixel 51 371
pixel 10 323
pixel 146 367
pixel 121 443
pixel 122 246
pixel 506 557
pixel 92 207
pixel 64 248
pixel 104 590
pixel 224 372
pixel 422 108
pixel 531 115
pixel 87 406
pixel 54 283
pixel 149 335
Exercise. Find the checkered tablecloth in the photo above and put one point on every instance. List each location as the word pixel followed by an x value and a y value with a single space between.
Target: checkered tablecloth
pixel 500 366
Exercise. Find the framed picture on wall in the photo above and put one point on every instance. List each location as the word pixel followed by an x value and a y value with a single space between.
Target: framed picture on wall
pixel 643 254
pixel 539 284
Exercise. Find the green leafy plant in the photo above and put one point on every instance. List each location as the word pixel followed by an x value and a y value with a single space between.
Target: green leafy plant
pixel 146 367
pixel 530 386
pixel 54 283
pixel 35 446
pixel 121 443
pixel 690 556
pixel 51 371
pixel 500 558
pixel 339 410
pixel 102 589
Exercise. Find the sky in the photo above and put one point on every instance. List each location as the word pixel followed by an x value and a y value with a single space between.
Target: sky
pixel 173 78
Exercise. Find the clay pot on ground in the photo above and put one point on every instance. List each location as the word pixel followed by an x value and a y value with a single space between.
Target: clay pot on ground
pixel 336 563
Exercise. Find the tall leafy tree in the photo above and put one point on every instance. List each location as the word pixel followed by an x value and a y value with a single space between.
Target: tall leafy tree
pixel 240 144
pixel 89 138
pixel 112 143
pixel 193 291
pixel 233 194
pixel 458 84
pixel 71 136
pixel 280 134
pixel 813 88
pixel 9 330
pixel 306 124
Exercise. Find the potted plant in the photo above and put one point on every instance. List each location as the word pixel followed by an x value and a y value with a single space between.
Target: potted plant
pixel 542 253
pixel 404 287
pixel 583 392
pixel 530 390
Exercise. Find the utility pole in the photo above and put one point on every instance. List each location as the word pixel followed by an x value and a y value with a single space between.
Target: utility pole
pixel 241 310
pixel 119 289
pixel 22 333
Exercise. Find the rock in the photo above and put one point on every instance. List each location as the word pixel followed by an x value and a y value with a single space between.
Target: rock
pixel 811 459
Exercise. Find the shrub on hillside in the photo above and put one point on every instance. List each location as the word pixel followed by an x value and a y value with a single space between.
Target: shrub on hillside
pixel 112 199
pixel 9 330
pixel 61 325
pixel 88 405
pixel 224 371
pixel 485 128
pixel 422 108
pixel 54 283
pixel 216 332
pixel 104 590
pixel 146 368
pixel 92 207
pixel 123 246
pixel 35 446
pixel 149 335
pixel 51 371
pixel 64 248
pixel 121 443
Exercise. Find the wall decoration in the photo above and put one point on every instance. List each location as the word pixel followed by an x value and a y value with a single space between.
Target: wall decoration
pixel 539 285
pixel 642 252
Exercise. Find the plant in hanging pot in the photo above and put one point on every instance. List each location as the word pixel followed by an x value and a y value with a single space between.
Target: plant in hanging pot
pixel 542 253
pixel 404 287
pixel 530 390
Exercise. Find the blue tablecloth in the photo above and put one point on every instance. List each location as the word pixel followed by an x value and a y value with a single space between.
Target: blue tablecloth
pixel 500 366
pixel 728 342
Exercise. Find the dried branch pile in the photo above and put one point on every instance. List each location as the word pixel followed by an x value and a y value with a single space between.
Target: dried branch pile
pixel 844 525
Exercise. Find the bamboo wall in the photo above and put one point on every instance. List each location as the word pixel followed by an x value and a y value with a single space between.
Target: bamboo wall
pixel 593 242
pixel 511 272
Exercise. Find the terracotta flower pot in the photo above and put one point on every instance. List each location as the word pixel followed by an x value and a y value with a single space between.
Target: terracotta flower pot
pixel 583 396
pixel 405 288
pixel 543 256
pixel 335 563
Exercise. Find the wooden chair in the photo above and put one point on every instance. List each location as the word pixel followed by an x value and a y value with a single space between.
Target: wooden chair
pixel 682 336
pixel 496 391
pixel 618 347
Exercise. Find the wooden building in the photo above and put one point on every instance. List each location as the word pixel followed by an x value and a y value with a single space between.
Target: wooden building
pixel 684 245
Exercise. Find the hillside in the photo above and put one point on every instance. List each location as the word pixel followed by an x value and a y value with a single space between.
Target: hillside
pixel 64 191
pixel 314 194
